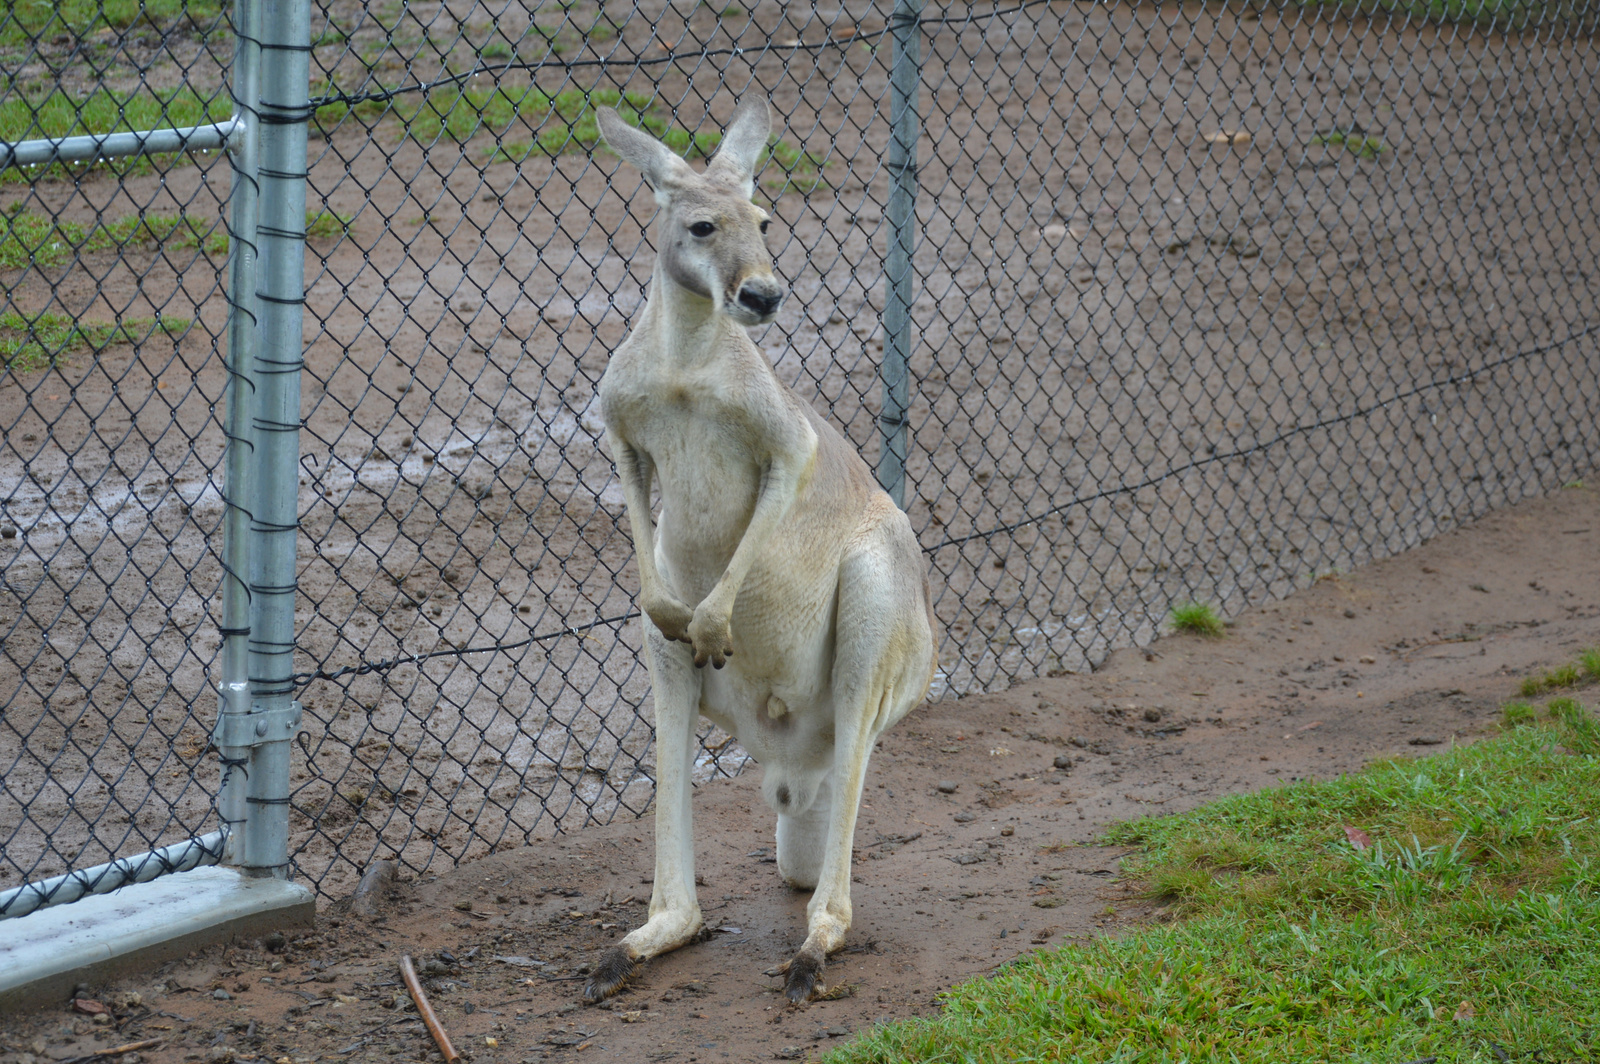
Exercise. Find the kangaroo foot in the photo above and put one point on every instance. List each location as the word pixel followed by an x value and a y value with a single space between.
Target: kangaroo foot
pixel 610 975
pixel 803 971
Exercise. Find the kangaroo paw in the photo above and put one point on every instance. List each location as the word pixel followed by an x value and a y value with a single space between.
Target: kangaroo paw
pixel 610 975
pixel 802 983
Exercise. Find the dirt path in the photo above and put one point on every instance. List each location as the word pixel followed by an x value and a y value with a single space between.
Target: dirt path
pixel 970 846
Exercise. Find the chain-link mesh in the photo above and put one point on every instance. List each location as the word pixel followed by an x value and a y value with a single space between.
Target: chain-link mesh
pixel 1208 300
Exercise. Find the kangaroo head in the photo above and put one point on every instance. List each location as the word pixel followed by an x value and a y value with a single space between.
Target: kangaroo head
pixel 710 234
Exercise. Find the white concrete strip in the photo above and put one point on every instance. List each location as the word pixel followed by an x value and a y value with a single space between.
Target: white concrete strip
pixel 45 954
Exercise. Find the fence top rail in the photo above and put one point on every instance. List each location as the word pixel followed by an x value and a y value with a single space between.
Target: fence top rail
pixel 89 146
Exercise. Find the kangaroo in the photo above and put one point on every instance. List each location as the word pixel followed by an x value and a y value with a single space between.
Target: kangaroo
pixel 775 558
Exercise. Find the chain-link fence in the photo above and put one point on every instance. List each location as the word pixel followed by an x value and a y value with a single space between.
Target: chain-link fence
pixel 1201 301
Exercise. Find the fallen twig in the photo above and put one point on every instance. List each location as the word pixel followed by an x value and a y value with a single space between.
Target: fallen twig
pixel 114 1051
pixel 425 1010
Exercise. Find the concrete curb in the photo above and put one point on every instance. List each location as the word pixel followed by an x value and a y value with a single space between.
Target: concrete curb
pixel 45 954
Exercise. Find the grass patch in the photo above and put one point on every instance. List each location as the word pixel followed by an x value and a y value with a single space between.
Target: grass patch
pixel 1516 714
pixel 1447 908
pixel 1352 140
pixel 36 240
pixel 29 344
pixel 798 170
pixel 1196 617
pixel 565 121
pixel 59 114
pixel 25 21
pixel 1572 674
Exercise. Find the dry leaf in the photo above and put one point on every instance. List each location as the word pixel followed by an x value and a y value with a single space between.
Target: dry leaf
pixel 1465 1011
pixel 1358 838
pixel 1228 136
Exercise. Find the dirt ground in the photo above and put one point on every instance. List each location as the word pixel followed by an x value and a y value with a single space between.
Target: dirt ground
pixel 1107 298
pixel 976 841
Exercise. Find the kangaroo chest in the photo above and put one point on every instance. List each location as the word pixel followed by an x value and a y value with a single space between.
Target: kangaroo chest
pixel 708 454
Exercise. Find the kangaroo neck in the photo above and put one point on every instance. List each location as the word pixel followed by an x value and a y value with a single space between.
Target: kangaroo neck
pixel 685 327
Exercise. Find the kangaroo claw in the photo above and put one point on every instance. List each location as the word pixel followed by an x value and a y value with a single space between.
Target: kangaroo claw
pixel 610 975
pixel 802 984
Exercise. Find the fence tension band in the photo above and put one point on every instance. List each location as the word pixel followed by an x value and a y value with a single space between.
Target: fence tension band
pixel 258 727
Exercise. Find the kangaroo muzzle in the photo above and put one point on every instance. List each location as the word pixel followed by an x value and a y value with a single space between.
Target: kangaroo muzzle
pixel 760 297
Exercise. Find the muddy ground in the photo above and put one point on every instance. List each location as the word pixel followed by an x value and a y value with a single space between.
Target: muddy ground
pixel 1251 361
pixel 973 845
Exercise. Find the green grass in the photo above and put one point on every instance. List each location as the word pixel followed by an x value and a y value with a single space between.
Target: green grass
pixel 797 170
pixel 570 127
pixel 58 114
pixel 1459 921
pixel 1198 618
pixel 22 21
pixel 1572 674
pixel 30 344
pixel 35 240
pixel 565 121
pixel 1364 146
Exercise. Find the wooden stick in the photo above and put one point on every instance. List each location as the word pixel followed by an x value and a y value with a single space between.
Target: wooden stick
pixel 425 1010
pixel 116 1051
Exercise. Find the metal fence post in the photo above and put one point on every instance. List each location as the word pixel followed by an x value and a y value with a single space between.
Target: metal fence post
pixel 233 729
pixel 285 34
pixel 905 127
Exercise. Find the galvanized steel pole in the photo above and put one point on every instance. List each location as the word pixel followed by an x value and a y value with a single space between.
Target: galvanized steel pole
pixel 283 113
pixel 232 737
pixel 904 129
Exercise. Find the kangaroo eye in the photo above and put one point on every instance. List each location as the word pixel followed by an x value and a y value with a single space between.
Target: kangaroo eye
pixel 764 226
pixel 702 229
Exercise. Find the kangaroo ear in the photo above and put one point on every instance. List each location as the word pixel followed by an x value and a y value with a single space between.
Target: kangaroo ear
pixel 658 163
pixel 743 144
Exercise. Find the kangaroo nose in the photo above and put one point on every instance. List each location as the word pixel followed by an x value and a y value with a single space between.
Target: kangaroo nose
pixel 761 301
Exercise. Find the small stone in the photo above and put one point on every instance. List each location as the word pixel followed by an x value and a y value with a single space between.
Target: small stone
pixel 1079 741
pixel 1008 830
pixel 1368 659
pixel 221 994
pixel 1152 715
pixel 275 942
pixel 1426 740
pixel 965 817
pixel 1350 613
pixel 101 1020
pixel 1063 762
pixel 948 786
pixel 220 1054
pixel 7 532
pixel 464 906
